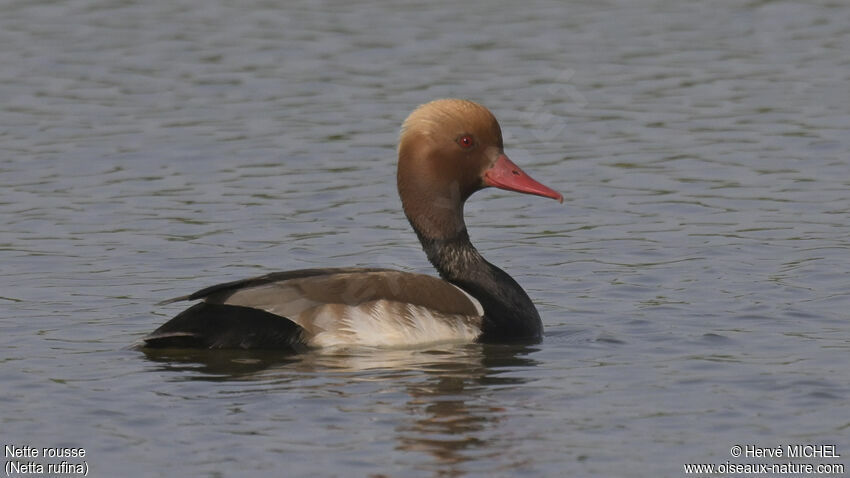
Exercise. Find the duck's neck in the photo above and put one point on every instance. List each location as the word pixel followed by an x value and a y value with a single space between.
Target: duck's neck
pixel 509 314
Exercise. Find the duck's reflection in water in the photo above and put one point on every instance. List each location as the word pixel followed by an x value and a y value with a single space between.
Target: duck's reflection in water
pixel 453 412
pixel 450 403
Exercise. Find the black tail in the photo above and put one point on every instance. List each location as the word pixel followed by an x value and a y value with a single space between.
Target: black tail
pixel 219 326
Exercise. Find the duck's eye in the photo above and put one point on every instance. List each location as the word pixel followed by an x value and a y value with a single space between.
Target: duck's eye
pixel 466 141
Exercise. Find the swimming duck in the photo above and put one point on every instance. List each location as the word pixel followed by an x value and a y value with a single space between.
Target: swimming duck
pixel 448 149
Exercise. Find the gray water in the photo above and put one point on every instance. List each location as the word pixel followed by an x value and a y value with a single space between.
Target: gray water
pixel 694 285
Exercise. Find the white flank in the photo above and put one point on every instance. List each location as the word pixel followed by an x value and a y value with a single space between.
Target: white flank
pixel 384 323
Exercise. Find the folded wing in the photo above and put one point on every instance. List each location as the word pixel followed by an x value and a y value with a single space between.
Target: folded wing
pixel 325 307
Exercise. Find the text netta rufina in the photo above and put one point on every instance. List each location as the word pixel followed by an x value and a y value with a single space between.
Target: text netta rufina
pixel 448 150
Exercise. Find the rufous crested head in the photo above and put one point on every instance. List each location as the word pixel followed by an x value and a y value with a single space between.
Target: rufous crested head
pixel 449 149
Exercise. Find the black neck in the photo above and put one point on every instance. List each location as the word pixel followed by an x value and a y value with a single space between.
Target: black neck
pixel 509 314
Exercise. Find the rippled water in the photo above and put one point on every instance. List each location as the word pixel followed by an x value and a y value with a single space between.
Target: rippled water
pixel 694 287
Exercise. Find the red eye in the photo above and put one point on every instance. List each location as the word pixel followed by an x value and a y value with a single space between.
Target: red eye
pixel 466 141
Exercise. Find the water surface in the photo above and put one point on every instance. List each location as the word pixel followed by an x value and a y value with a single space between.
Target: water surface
pixel 694 287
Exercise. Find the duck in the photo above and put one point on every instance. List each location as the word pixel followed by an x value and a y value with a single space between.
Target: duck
pixel 448 149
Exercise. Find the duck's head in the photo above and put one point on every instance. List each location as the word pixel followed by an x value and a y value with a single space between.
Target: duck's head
pixel 449 149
